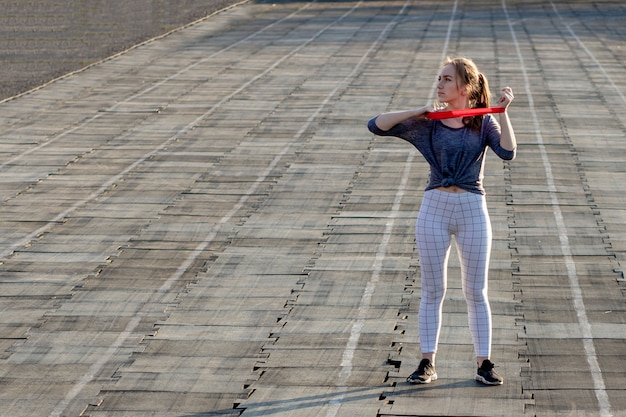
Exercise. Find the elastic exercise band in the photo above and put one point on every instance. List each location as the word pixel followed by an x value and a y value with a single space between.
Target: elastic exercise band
pixel 448 114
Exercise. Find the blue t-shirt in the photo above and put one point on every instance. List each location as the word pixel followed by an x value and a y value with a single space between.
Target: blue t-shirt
pixel 456 155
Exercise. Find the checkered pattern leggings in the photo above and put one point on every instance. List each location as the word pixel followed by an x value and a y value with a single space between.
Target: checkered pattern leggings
pixel 465 216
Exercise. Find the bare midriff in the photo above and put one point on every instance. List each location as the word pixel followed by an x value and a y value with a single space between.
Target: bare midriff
pixel 452 189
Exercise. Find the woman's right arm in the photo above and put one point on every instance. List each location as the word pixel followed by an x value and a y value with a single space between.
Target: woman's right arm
pixel 386 121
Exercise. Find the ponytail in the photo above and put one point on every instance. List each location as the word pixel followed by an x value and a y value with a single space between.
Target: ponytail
pixel 479 97
pixel 482 92
pixel 477 88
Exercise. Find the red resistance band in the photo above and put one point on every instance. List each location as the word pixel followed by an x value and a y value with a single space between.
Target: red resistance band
pixel 448 114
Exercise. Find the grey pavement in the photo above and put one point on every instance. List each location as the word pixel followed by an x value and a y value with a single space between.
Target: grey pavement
pixel 203 225
pixel 45 39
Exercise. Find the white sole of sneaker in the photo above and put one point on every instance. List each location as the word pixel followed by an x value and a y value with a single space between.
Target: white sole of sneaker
pixel 484 381
pixel 425 381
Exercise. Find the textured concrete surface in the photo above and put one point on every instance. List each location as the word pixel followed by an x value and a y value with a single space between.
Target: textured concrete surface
pixel 41 40
pixel 203 226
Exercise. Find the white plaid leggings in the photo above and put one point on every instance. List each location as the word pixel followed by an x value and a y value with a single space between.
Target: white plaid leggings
pixel 465 216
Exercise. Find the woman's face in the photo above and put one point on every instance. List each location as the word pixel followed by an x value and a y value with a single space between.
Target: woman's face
pixel 448 88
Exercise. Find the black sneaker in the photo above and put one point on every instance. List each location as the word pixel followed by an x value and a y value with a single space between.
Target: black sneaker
pixel 424 374
pixel 487 375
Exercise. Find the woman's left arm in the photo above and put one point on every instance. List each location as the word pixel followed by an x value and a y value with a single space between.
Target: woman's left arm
pixel 507 138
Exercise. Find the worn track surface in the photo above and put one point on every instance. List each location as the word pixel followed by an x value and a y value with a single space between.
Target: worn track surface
pixel 203 225
pixel 44 39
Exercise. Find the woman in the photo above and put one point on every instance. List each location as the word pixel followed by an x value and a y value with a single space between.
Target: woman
pixel 454 204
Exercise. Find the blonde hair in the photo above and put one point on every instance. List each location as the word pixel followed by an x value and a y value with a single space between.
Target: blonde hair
pixel 475 82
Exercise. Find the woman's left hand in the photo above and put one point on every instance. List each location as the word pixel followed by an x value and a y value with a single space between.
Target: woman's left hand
pixel 506 97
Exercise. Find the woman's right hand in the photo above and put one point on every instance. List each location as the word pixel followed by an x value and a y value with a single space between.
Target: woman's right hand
pixel 386 121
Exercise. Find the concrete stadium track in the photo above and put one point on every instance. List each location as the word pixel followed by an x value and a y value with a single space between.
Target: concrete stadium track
pixel 203 226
